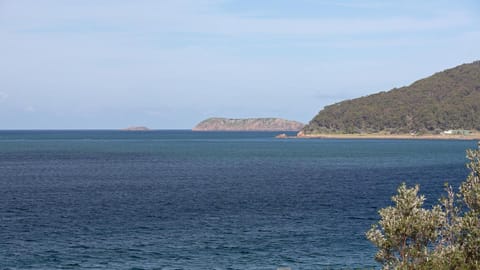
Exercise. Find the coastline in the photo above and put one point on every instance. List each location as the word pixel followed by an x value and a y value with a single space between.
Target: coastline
pixel 474 136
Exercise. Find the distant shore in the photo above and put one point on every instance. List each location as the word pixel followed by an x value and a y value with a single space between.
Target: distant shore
pixel 473 136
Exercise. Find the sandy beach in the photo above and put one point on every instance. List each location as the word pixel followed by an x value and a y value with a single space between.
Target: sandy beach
pixel 473 136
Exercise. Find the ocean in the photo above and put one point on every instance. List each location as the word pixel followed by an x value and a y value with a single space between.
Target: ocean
pixel 176 199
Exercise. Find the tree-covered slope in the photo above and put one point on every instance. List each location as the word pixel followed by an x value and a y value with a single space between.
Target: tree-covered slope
pixel 446 100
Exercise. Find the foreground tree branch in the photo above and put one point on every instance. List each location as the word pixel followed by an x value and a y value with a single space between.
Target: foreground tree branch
pixel 409 236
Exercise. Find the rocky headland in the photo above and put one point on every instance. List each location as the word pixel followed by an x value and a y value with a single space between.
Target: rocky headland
pixel 248 124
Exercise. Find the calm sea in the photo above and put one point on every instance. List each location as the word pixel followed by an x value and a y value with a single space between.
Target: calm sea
pixel 187 200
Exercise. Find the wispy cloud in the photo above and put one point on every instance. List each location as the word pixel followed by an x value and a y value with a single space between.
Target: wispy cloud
pixel 29 109
pixel 3 96
pixel 202 17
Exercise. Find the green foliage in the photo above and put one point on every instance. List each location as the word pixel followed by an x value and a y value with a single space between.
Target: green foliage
pixel 409 236
pixel 443 101
pixel 408 231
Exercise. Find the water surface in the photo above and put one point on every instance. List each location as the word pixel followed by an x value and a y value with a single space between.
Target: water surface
pixel 204 200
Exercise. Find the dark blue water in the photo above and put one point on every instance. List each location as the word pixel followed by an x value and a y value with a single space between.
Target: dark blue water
pixel 185 200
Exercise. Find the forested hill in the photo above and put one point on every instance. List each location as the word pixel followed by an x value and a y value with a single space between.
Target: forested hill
pixel 446 100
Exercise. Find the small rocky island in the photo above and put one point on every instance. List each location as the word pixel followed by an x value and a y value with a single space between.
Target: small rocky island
pixel 248 124
pixel 136 128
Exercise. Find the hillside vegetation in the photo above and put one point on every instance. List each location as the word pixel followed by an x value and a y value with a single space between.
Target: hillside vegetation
pixel 446 100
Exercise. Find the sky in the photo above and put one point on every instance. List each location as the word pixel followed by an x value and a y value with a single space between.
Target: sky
pixel 168 64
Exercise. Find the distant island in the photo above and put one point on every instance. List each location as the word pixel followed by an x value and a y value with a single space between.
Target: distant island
pixel 445 104
pixel 248 124
pixel 136 128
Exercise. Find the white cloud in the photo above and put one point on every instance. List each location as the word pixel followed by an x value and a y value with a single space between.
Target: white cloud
pixel 3 96
pixel 29 109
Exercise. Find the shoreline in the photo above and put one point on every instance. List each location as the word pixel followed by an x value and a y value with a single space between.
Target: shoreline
pixel 472 137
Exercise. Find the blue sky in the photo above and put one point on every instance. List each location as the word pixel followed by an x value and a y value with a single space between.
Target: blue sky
pixel 169 64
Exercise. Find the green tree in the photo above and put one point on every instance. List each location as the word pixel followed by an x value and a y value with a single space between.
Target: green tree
pixel 406 231
pixel 446 236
